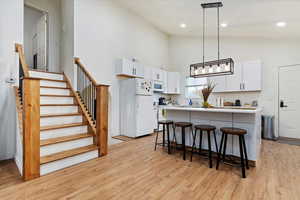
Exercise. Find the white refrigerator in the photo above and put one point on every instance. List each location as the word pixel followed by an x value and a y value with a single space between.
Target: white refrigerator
pixel 137 116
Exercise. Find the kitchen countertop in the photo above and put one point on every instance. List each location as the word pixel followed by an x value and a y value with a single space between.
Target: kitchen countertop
pixel 216 109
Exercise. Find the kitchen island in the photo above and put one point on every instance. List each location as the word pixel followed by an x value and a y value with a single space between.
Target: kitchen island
pixel 249 119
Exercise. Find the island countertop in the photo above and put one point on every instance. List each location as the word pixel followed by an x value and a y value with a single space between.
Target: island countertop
pixel 218 109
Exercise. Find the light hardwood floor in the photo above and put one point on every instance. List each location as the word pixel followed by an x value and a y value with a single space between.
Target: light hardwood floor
pixel 133 170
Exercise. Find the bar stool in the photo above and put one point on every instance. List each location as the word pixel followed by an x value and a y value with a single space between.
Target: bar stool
pixel 183 126
pixel 208 129
pixel 165 124
pixel 239 132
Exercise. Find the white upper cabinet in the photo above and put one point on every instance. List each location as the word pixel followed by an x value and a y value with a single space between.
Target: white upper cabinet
pixel 173 83
pixel 126 67
pixel 252 73
pixel 148 73
pixel 247 77
pixel 234 81
pixel 158 74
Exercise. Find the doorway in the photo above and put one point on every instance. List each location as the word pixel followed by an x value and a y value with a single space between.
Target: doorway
pixel 36 38
pixel 289 102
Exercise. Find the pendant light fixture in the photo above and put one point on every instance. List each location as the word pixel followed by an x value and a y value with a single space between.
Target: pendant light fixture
pixel 217 67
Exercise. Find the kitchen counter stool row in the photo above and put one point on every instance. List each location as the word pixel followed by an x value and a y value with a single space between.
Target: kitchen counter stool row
pixel 197 131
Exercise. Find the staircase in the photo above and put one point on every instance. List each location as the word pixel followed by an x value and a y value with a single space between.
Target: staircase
pixel 59 127
pixel 65 139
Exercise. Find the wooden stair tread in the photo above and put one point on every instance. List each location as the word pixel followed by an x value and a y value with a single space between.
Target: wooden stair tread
pixel 59 104
pixel 50 87
pixel 42 71
pixel 47 79
pixel 64 139
pixel 53 127
pixel 61 115
pixel 66 154
pixel 55 95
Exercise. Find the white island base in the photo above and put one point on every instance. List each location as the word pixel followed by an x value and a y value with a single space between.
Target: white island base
pixel 239 118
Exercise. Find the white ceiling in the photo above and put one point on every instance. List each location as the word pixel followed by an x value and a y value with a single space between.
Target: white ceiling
pixel 245 18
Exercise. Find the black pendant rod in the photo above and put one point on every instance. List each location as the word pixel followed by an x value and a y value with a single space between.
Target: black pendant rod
pixel 203 37
pixel 218 21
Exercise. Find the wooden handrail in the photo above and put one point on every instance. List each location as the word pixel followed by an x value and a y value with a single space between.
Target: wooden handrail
pixel 95 98
pixel 79 64
pixel 19 49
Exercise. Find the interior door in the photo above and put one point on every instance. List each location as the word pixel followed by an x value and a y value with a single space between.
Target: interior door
pixel 42 43
pixel 289 101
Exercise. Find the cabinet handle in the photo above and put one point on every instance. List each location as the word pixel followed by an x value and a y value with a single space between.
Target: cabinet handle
pixel 243 86
pixel 240 86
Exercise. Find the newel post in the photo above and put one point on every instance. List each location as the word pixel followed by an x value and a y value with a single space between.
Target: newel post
pixel 102 118
pixel 31 128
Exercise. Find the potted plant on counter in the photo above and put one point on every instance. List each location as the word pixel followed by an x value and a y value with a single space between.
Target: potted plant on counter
pixel 206 92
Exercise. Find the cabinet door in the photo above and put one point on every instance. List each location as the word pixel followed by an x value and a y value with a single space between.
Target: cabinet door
pixel 233 82
pixel 252 80
pixel 220 82
pixel 126 67
pixel 173 83
pixel 148 73
pixel 138 70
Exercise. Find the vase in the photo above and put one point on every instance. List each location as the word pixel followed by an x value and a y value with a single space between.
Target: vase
pixel 205 104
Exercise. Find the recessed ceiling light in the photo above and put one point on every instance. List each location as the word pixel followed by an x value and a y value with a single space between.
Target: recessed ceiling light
pixel 182 25
pixel 224 25
pixel 281 24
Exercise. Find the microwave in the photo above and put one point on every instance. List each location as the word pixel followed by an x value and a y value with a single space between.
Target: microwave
pixel 158 86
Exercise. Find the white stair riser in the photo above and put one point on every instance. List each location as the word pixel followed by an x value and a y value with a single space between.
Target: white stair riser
pixel 45 110
pixel 46 75
pixel 56 100
pixel 67 162
pixel 49 121
pixel 53 84
pixel 64 146
pixel 63 132
pixel 53 91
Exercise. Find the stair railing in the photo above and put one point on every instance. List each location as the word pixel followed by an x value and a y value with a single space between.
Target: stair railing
pixel 95 99
pixel 29 89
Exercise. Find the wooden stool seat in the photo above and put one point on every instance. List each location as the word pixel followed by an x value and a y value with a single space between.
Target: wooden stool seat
pixel 205 127
pixel 183 124
pixel 165 122
pixel 233 131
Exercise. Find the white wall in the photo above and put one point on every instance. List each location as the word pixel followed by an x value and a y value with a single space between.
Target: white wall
pixel 67 37
pixel 54 17
pixel 31 18
pixel 11 26
pixel 273 53
pixel 104 32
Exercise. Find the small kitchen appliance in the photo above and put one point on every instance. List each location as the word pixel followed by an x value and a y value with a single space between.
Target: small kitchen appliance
pixel 162 101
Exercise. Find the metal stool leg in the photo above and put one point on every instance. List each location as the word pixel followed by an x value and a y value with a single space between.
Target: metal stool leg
pixel 194 143
pixel 200 141
pixel 183 142
pixel 217 149
pixel 245 151
pixel 209 149
pixel 168 135
pixel 220 150
pixel 164 131
pixel 174 136
pixel 225 145
pixel 242 157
